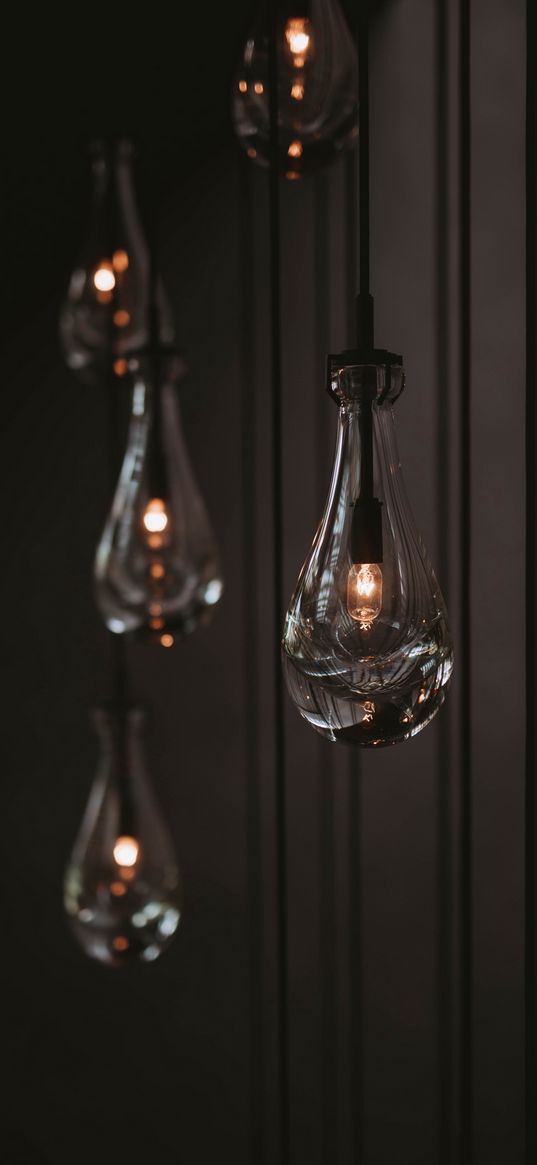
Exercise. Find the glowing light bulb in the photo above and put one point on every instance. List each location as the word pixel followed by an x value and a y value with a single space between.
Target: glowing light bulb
pixel 104 278
pixel 121 889
pixel 126 851
pixel 155 516
pixel 317 89
pixel 367 650
pixel 298 37
pixel 364 593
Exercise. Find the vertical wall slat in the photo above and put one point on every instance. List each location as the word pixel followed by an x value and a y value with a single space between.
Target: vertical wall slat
pixel 444 985
pixel 531 590
pixel 277 552
pixel 465 550
pixel 250 694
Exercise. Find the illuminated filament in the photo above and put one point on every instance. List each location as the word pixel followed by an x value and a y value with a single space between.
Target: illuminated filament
pixel 104 278
pixel 364 593
pixel 126 852
pixel 155 517
pixel 298 37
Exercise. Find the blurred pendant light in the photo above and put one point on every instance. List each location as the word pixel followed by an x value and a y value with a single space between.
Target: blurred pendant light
pixel 106 310
pixel 121 890
pixel 367 651
pixel 317 88
pixel 156 569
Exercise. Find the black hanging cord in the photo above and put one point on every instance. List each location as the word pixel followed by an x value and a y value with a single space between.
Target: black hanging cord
pixel 115 398
pixel 364 303
pixel 531 592
pixel 277 556
pixel 114 387
pixel 465 674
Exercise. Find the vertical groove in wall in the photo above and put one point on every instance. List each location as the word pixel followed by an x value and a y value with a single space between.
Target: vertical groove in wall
pixel 328 928
pixel 278 599
pixel 465 672
pixel 249 664
pixel 531 589
pixel 354 764
pixel 444 979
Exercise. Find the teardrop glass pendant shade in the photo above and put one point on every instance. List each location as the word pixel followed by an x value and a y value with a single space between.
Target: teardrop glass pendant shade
pixel 367 651
pixel 121 889
pixel 105 314
pixel 157 571
pixel 317 88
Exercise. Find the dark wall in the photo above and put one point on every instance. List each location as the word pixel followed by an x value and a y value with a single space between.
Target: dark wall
pixel 180 1058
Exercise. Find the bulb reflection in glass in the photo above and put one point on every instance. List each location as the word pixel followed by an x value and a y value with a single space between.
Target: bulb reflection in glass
pixel 317 89
pixel 104 316
pixel 121 889
pixel 157 572
pixel 367 651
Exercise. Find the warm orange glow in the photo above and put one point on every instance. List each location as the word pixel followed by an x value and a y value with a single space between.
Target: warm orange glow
pixel 121 319
pixel 364 593
pixel 155 608
pixel 251 152
pixel 242 86
pixel 120 943
pixel 258 88
pixel 104 278
pixel 292 175
pixel 155 517
pixel 118 889
pixel 120 367
pixel 297 91
pixel 126 851
pixel 295 150
pixel 120 261
pixel 156 624
pixel 298 37
pixel 167 640
pixel 157 570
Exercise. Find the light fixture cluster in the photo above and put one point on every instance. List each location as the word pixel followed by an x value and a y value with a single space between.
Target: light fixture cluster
pixel 157 574
pixel 367 651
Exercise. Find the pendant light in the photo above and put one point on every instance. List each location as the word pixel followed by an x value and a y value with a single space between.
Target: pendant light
pixel 367 650
pixel 105 313
pixel 157 571
pixel 317 87
pixel 122 891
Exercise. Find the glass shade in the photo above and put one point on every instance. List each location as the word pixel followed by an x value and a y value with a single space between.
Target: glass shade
pixel 317 88
pixel 367 651
pixel 121 890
